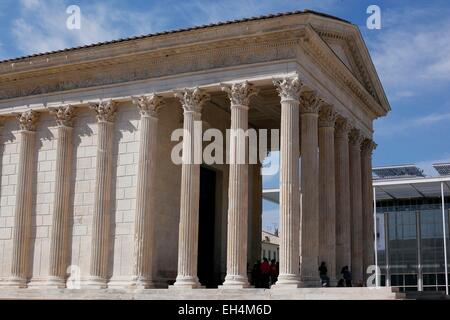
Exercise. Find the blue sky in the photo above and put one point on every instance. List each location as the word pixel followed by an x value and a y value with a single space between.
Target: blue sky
pixel 411 52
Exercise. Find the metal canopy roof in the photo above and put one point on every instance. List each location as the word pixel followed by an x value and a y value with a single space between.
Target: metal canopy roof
pixel 272 195
pixel 404 171
pixel 442 168
pixel 392 189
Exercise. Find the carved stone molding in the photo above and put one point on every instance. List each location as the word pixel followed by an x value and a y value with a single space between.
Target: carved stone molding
pixel 192 100
pixel 240 93
pixel 342 127
pixel 288 88
pixel 327 116
pixel 28 120
pixel 368 146
pixel 64 115
pixel 155 64
pixel 149 105
pixel 309 102
pixel 355 137
pixel 105 110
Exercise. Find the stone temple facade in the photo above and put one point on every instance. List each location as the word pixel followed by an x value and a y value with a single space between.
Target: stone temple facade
pixel 89 190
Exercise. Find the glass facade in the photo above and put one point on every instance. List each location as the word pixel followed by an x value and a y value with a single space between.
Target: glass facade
pixel 410 244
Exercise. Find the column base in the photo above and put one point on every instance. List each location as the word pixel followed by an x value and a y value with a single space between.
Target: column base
pixel 186 282
pixel 287 281
pixel 235 282
pixel 15 282
pixel 95 282
pixel 310 283
pixel 142 283
pixel 55 283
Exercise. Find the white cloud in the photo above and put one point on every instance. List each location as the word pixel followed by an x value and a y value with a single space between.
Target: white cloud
pixel 29 4
pixel 384 128
pixel 42 25
pixel 412 51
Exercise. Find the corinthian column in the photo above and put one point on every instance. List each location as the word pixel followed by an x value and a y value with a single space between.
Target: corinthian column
pixel 24 199
pixel 356 205
pixel 327 203
pixel 192 101
pixel 102 199
pixel 367 201
pixel 60 224
pixel 239 94
pixel 144 224
pixel 343 206
pixel 289 91
pixel 309 108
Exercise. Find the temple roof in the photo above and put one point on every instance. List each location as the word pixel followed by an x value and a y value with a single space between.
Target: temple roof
pixel 217 24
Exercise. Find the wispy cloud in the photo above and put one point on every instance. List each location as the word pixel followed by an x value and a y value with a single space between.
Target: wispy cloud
pixel 412 52
pixel 41 26
pixel 390 128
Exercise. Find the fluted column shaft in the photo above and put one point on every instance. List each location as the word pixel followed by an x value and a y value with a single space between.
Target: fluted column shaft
pixel 191 101
pixel 237 232
pixel 309 105
pixel 356 206
pixel 102 197
pixel 289 90
pixel 327 203
pixel 145 216
pixel 343 206
pixel 367 200
pixel 60 225
pixel 24 200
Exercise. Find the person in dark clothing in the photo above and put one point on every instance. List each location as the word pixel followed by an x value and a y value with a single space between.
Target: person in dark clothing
pixel 323 274
pixel 265 273
pixel 273 272
pixel 347 275
pixel 341 283
pixel 256 274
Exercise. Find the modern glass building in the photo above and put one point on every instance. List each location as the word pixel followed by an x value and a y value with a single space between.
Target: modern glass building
pixel 412 227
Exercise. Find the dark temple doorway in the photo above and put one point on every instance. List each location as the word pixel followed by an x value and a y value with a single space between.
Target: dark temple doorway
pixel 207 212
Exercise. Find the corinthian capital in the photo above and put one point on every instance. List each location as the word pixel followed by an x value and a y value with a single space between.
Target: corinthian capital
pixel 149 105
pixel 368 146
pixel 342 128
pixel 240 93
pixel 64 115
pixel 309 102
pixel 27 120
pixel 327 116
pixel 288 88
pixel 355 137
pixel 192 100
pixel 105 110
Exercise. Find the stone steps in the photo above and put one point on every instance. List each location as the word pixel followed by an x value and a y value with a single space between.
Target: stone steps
pixel 206 294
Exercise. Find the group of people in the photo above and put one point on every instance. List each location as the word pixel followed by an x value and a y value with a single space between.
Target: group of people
pixel 264 274
pixel 345 281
